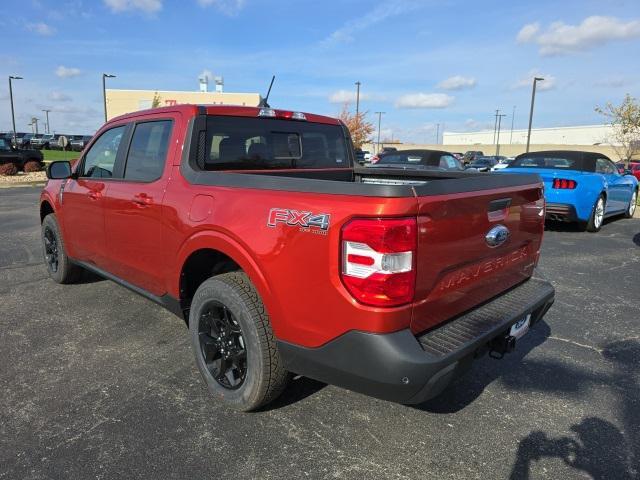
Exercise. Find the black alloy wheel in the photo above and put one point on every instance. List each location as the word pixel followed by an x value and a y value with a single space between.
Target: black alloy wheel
pixel 222 345
pixel 51 250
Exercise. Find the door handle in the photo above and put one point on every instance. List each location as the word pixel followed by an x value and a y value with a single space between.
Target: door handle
pixel 142 199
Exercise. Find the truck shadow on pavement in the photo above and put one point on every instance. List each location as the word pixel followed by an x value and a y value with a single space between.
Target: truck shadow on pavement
pixel 470 386
pixel 596 447
pixel 593 446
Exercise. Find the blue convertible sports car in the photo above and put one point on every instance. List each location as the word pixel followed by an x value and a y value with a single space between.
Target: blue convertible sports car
pixel 583 187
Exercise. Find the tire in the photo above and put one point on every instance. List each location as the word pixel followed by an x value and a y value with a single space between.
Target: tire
pixel 234 346
pixel 59 266
pixel 597 215
pixel 631 209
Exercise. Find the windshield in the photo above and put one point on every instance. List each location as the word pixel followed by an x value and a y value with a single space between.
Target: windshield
pixel 481 162
pixel 239 143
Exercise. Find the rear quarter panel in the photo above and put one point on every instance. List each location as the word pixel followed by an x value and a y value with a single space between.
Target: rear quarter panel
pixel 583 197
pixel 295 270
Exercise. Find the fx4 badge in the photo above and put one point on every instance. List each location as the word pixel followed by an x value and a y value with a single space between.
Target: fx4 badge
pixel 307 221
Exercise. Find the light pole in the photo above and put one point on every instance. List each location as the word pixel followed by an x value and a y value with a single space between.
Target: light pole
pixel 104 92
pixel 498 134
pixel 513 116
pixel 46 112
pixel 495 125
pixel 13 115
pixel 358 97
pixel 437 133
pixel 533 100
pixel 379 122
pixel 34 123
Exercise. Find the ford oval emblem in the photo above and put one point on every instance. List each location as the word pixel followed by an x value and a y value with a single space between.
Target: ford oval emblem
pixel 497 236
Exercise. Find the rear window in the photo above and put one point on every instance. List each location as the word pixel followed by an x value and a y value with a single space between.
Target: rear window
pixel 548 162
pixel 240 143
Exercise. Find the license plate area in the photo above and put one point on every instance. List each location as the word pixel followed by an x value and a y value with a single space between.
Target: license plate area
pixel 521 327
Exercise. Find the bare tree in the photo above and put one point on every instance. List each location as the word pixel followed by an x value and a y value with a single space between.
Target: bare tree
pixel 358 126
pixel 625 121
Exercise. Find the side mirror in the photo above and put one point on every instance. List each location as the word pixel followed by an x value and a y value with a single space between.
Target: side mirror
pixel 58 170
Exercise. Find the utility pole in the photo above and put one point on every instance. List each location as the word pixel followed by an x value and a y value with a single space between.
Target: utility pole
pixel 358 97
pixel 104 92
pixel 47 124
pixel 495 125
pixel 379 123
pixel 13 115
pixel 498 134
pixel 533 100
pixel 513 116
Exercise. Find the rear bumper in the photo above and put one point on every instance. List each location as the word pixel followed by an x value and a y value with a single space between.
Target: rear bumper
pixel 561 212
pixel 404 368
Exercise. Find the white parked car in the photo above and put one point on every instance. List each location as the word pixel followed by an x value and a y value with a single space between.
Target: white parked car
pixel 502 164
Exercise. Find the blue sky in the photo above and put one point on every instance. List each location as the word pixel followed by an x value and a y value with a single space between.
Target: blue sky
pixel 421 62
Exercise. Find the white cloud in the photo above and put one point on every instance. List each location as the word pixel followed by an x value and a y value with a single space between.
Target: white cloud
pixel 614 82
pixel 457 82
pixel 382 12
pixel 347 96
pixel 41 28
pixel 67 72
pixel 424 100
pixel 528 32
pixel 145 6
pixel 549 83
pixel 228 7
pixel 59 97
pixel 561 38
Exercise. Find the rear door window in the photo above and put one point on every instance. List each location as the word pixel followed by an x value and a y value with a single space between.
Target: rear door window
pixel 148 151
pixel 240 143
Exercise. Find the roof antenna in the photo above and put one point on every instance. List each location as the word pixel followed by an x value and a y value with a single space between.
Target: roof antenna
pixel 264 101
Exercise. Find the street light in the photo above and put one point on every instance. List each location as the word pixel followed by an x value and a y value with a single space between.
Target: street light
pixel 13 116
pixel 533 100
pixel 358 97
pixel 498 133
pixel 46 112
pixel 379 122
pixel 104 92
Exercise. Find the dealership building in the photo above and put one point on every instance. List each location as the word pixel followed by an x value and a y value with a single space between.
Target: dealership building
pixel 579 135
pixel 120 102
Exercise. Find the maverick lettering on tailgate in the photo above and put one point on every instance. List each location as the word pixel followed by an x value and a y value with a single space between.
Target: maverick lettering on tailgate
pixel 463 276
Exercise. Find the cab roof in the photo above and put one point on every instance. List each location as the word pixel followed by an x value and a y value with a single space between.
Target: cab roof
pixel 226 110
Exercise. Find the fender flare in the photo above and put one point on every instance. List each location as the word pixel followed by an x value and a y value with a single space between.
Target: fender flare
pixel 215 240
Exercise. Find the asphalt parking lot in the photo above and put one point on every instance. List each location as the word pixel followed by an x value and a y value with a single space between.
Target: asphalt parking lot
pixel 96 382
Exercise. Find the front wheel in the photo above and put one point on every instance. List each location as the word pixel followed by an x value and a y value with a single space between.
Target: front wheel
pixel 234 345
pixel 59 266
pixel 632 205
pixel 597 215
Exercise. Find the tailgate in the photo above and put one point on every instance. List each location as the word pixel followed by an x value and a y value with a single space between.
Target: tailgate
pixel 457 268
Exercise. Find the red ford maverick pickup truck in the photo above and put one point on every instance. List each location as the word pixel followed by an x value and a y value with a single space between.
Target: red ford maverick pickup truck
pixel 254 226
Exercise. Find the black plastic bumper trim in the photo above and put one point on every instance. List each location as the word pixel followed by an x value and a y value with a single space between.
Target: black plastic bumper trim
pixel 395 366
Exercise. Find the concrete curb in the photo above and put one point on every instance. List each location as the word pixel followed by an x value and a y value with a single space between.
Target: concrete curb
pixel 33 183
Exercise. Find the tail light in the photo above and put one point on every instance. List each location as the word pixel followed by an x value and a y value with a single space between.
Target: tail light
pixel 564 184
pixel 378 260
